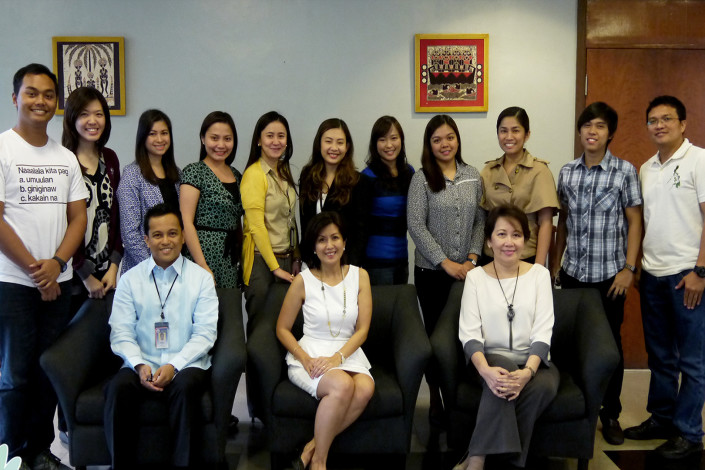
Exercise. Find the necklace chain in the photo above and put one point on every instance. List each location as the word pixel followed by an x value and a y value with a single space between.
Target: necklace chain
pixel 510 306
pixel 345 304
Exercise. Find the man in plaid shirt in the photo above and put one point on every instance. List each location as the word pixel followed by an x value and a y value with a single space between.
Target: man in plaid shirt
pixel 599 228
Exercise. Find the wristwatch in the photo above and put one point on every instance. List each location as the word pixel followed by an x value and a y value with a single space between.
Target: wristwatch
pixel 61 262
pixel 699 270
pixel 473 261
pixel 630 267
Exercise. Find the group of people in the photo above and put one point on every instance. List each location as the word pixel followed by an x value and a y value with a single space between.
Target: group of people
pixel 70 202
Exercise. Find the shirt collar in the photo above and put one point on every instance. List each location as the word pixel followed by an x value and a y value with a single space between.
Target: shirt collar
pixel 177 265
pixel 265 168
pixel 526 160
pixel 679 154
pixel 606 162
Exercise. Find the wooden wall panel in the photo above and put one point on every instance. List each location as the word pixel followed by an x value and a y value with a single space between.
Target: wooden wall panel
pixel 645 24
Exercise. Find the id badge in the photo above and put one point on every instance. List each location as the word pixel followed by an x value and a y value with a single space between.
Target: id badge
pixel 161 335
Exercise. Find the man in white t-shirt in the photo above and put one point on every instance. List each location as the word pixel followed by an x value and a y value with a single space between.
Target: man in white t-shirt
pixel 672 283
pixel 43 220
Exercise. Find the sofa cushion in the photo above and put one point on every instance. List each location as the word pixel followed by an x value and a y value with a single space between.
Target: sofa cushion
pixel 569 403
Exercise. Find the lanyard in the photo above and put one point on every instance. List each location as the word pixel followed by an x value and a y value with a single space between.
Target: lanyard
pixel 168 293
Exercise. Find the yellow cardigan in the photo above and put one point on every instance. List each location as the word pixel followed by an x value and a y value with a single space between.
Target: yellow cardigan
pixel 253 192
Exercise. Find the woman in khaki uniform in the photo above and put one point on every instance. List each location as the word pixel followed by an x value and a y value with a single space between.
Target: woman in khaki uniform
pixel 523 180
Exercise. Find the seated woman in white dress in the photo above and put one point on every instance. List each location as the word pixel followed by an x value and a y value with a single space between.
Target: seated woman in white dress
pixel 328 361
pixel 506 324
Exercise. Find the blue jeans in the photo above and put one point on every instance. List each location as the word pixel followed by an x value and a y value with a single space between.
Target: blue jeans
pixel 28 326
pixel 675 343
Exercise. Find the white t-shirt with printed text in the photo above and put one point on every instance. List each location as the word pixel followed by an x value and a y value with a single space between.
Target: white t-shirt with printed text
pixel 36 184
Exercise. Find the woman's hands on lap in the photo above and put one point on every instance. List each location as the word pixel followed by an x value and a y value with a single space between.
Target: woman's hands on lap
pixel 505 384
pixel 321 365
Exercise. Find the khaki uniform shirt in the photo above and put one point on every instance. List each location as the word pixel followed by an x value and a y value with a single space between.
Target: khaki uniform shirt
pixel 530 187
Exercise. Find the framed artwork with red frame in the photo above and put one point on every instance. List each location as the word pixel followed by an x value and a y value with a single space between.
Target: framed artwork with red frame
pixel 451 72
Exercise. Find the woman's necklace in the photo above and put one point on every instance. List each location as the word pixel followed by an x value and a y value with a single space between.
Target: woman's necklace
pixel 345 304
pixel 510 306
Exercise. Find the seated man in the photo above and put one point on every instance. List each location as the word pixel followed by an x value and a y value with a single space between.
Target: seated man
pixel 163 324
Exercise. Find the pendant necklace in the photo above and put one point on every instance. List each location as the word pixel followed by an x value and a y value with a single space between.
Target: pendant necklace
pixel 345 304
pixel 510 306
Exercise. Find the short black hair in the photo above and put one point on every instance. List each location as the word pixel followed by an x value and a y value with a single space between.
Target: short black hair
pixel 160 210
pixel 508 211
pixel 515 112
pixel 600 110
pixel 318 223
pixel 32 69
pixel 667 100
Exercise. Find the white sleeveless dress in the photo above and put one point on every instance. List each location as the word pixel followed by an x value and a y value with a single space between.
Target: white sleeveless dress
pixel 317 340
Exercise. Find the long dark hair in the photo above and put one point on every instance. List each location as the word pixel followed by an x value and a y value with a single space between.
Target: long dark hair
pixel 433 172
pixel 75 104
pixel 313 174
pixel 374 160
pixel 256 151
pixel 144 126
pixel 214 118
pixel 318 223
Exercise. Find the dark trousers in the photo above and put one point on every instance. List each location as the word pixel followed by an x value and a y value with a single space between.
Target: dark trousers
pixel 261 279
pixel 28 326
pixel 123 396
pixel 675 343
pixel 432 288
pixel 506 427
pixel 392 275
pixel 614 309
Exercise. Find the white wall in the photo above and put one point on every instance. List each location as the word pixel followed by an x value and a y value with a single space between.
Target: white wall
pixel 310 60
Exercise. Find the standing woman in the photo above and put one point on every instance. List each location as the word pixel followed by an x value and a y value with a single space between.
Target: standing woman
pixel 270 245
pixel 153 178
pixel 328 361
pixel 210 202
pixel 523 180
pixel 329 182
pixel 446 223
pixel 86 131
pixel 387 253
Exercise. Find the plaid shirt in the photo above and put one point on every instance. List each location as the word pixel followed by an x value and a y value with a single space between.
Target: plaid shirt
pixel 595 199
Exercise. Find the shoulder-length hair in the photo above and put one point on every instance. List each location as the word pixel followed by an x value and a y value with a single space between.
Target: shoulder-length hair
pixel 374 160
pixel 214 118
pixel 317 224
pixel 313 174
pixel 75 104
pixel 144 126
pixel 433 172
pixel 283 167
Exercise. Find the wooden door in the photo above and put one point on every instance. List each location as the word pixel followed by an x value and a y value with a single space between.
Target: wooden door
pixel 627 79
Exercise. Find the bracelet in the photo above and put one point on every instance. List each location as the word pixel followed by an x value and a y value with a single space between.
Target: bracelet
pixel 342 358
pixel 533 372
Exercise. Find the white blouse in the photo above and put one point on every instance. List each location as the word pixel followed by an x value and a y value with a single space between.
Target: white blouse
pixel 484 325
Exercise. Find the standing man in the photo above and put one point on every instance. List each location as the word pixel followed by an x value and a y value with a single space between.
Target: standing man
pixel 163 323
pixel 42 223
pixel 600 223
pixel 672 283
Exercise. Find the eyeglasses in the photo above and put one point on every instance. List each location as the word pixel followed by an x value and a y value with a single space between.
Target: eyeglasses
pixel 665 120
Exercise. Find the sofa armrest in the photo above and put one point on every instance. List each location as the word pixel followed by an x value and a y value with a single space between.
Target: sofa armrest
pixel 74 361
pixel 445 344
pixel 596 355
pixel 229 356
pixel 412 350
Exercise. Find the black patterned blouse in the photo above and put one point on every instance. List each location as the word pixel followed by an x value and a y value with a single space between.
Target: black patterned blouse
pixel 218 222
